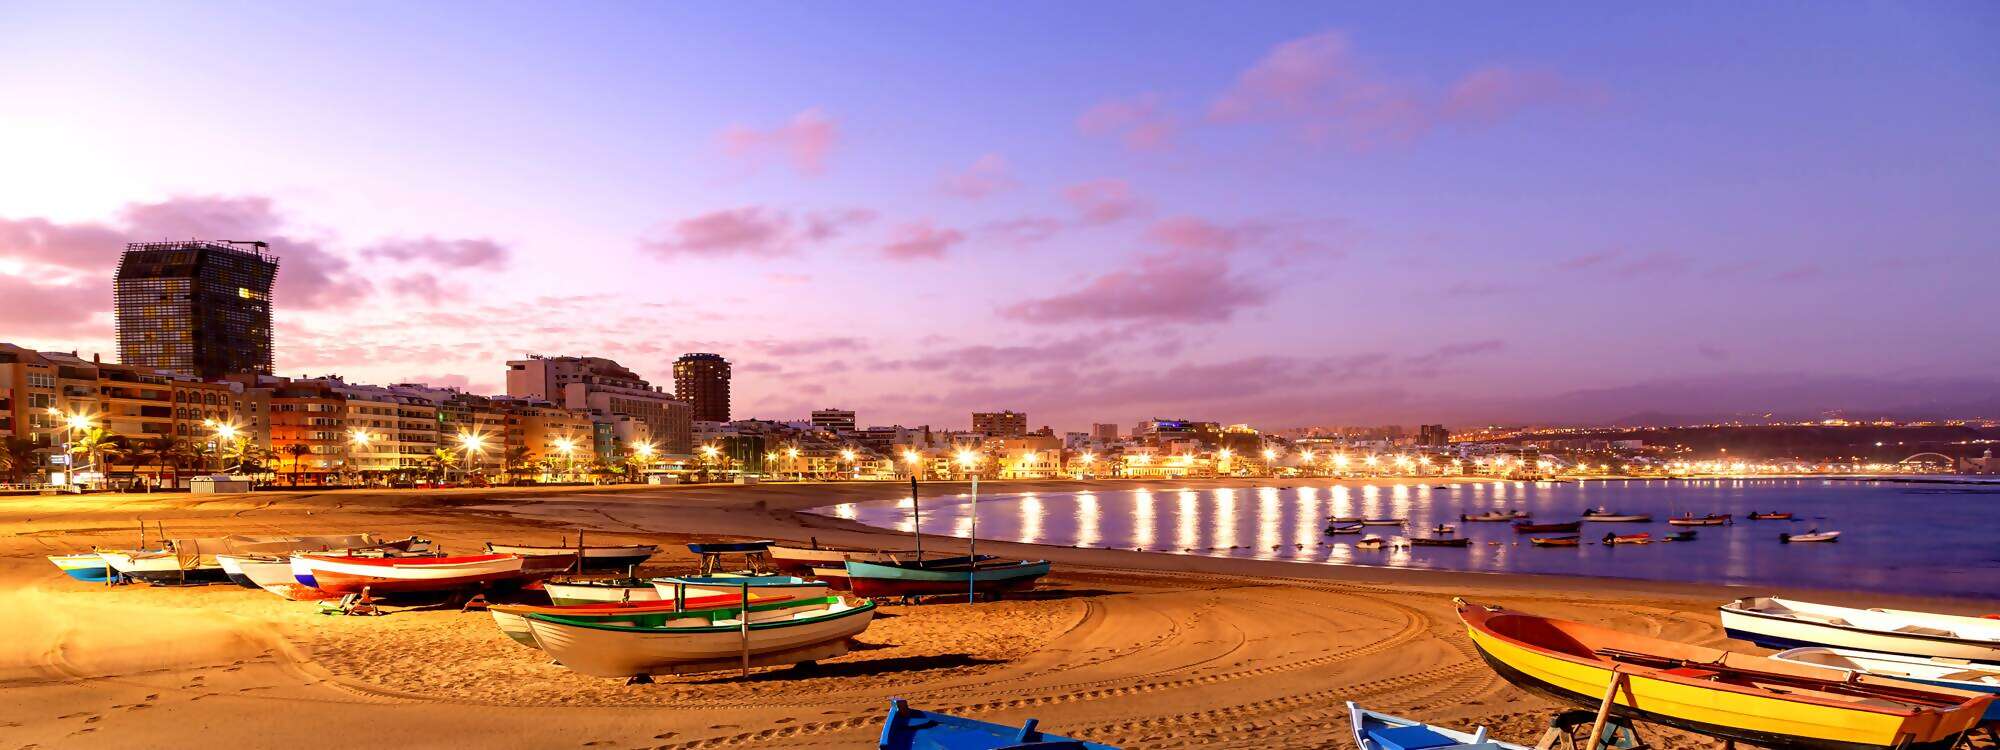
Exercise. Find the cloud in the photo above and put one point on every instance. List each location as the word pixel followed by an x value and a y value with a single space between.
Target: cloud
pixel 1712 352
pixel 1104 201
pixel 1495 92
pixel 1190 233
pixel 426 287
pixel 465 253
pixel 1140 122
pixel 806 347
pixel 54 310
pixel 805 142
pixel 1171 287
pixel 788 279
pixel 988 175
pixel 1026 230
pixel 920 241
pixel 747 231
pixel 1432 362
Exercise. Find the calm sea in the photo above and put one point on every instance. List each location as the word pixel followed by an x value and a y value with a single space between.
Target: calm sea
pixel 1913 538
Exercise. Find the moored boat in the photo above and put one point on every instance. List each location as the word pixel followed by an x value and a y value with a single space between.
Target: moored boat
pixel 1814 535
pixel 88 567
pixel 1384 521
pixel 1440 541
pixel 669 589
pixel 800 561
pixel 1601 515
pixel 910 729
pixel 1680 536
pixel 1344 528
pixel 946 576
pixel 1569 540
pixel 595 556
pixel 1951 673
pixel 512 619
pixel 1547 528
pixel 1380 731
pixel 1495 516
pixel 702 640
pixel 1640 538
pixel 1370 542
pixel 349 574
pixel 1786 623
pixel 1755 516
pixel 1711 519
pixel 1722 694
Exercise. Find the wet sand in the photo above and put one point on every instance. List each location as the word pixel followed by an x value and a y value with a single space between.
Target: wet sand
pixel 1134 649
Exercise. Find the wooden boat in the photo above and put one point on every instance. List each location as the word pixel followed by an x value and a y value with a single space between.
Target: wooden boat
pixel 574 592
pixel 1344 528
pixel 1495 516
pixel 88 567
pixel 513 618
pixel 1680 536
pixel 729 548
pixel 670 589
pixel 1708 520
pixel 1814 535
pixel 1384 521
pixel 702 640
pixel 1951 673
pixel 1755 516
pixel 274 574
pixel 1727 695
pixel 1439 541
pixel 595 556
pixel 955 575
pixel 800 561
pixel 1344 519
pixel 1554 541
pixel 910 729
pixel 349 574
pixel 1640 538
pixel 1547 528
pixel 1370 542
pixel 834 575
pixel 163 567
pixel 1785 623
pixel 1379 731
pixel 232 566
pixel 1601 515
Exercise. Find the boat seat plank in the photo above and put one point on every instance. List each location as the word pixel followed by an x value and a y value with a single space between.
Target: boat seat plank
pixel 1409 738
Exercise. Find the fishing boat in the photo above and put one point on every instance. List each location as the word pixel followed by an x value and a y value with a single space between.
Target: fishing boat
pixel 702 640
pixel 513 618
pixel 1722 694
pixel 1442 529
pixel 576 591
pixel 1440 541
pixel 801 561
pixel 1370 542
pixel 87 567
pixel 1711 519
pixel 1755 516
pixel 1601 515
pixel 954 575
pixel 1495 516
pixel 232 566
pixel 349 574
pixel 1344 528
pixel 1567 540
pixel 910 729
pixel 1680 536
pixel 1344 519
pixel 1785 623
pixel 1547 528
pixel 1380 731
pixel 1950 673
pixel 670 589
pixel 1639 538
pixel 1814 535
pixel 274 574
pixel 595 556
pixel 164 567
pixel 1384 521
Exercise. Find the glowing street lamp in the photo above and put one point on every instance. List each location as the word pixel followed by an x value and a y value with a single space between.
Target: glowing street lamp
pixel 567 447
pixel 472 444
pixel 968 460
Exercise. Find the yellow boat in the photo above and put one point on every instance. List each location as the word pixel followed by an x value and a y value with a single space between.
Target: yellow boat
pixel 1719 693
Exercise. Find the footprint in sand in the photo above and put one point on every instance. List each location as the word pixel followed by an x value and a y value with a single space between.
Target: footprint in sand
pixel 85 730
pixel 786 720
pixel 725 726
pixel 666 735
pixel 94 718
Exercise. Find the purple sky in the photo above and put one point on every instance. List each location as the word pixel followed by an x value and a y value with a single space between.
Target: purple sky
pixel 1093 212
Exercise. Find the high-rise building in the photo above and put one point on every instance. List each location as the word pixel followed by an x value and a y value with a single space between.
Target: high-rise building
pixel 195 308
pixel 1000 424
pixel 637 410
pixel 1104 431
pixel 833 420
pixel 702 380
pixel 1433 436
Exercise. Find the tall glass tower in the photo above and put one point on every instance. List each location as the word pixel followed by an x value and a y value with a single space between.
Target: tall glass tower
pixel 198 308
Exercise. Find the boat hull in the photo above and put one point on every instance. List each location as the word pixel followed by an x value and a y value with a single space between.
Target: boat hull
pixel 1547 528
pixel 873 580
pixel 410 575
pixel 1772 631
pixel 583 593
pixel 609 557
pixel 87 567
pixel 1912 668
pixel 603 651
pixel 162 569
pixel 669 589
pixel 232 567
pixel 800 561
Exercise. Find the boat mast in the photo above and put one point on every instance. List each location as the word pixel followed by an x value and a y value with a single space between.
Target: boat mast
pixel 916 517
pixel 972 547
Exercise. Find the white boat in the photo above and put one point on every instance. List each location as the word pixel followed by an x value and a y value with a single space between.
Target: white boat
pixel 800 561
pixel 1784 623
pixel 1811 536
pixel 595 556
pixel 589 592
pixel 670 589
pixel 1369 542
pixel 350 574
pixel 1344 528
pixel 1379 731
pixel 163 567
pixel 269 573
pixel 702 641
pixel 1951 673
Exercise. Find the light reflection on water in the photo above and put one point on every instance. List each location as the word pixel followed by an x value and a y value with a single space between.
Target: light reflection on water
pixel 1285 522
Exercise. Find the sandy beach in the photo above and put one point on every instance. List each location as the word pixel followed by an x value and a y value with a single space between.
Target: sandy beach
pixel 1140 650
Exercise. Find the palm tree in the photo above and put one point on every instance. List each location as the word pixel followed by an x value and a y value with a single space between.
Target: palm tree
pixel 19 457
pixel 513 456
pixel 162 452
pixel 98 444
pixel 297 451
pixel 441 461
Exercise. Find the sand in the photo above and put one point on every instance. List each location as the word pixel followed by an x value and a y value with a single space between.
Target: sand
pixel 1140 650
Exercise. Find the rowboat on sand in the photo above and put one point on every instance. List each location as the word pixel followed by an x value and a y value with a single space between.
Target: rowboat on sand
pixel 595 556
pixel 1785 623
pixel 1722 694
pixel 800 561
pixel 956 575
pixel 669 589
pixel 562 593
pixel 1547 528
pixel 163 567
pixel 1814 535
pixel 513 618
pixel 349 574
pixel 1380 731
pixel 1568 540
pixel 703 640
pixel 88 567
pixel 910 729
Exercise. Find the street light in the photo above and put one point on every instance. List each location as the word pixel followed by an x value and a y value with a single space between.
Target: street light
pixel 1087 459
pixel 914 459
pixel 568 448
pixel 471 443
pixel 792 457
pixel 967 460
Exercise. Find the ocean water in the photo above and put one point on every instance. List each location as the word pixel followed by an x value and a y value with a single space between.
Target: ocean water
pixel 1896 537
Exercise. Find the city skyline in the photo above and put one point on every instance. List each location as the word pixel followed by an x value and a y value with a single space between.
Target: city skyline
pixel 1298 218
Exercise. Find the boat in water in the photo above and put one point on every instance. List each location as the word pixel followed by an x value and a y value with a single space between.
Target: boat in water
pixel 1440 541
pixel 1495 516
pixel 1384 521
pixel 1616 539
pixel 1772 622
pixel 594 556
pixel 1569 540
pixel 1601 515
pixel 910 729
pixel 952 575
pixel 1712 519
pixel 1814 535
pixel 1680 536
pixel 1344 528
pixel 88 567
pixel 1380 731
pixel 1370 542
pixel 1951 673
pixel 1547 528
pixel 707 640
pixel 350 574
pixel 1722 694
pixel 1755 516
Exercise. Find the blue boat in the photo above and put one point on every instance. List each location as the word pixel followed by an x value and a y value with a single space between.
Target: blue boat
pixel 912 729
pixel 86 567
pixel 942 577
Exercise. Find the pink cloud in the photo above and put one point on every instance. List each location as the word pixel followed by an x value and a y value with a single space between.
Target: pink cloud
pixel 465 253
pixel 1140 122
pixel 55 310
pixel 425 287
pixel 920 241
pixel 1104 201
pixel 1025 230
pixel 1190 233
pixel 988 175
pixel 748 231
pixel 1175 287
pixel 805 142
pixel 1493 93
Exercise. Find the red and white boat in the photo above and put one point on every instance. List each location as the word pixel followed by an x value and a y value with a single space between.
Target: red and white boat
pixel 344 574
pixel 802 561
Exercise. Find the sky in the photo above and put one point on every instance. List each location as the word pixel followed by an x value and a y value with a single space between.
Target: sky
pixel 1284 214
